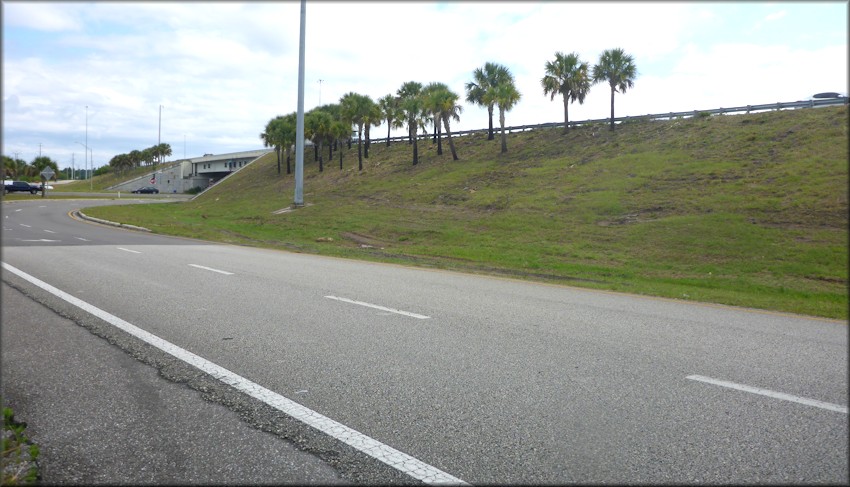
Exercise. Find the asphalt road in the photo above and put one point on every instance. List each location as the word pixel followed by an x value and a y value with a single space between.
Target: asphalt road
pixel 482 380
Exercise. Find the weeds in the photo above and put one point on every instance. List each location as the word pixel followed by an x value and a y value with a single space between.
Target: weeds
pixel 20 456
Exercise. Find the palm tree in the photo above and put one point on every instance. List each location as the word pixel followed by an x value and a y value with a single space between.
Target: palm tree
pixel 484 79
pixel 317 127
pixel 504 95
pixel 569 77
pixel 430 97
pixel 408 91
pixel 389 112
pixel 372 117
pixel 441 102
pixel 355 109
pixel 618 69
pixel 412 105
pixel 340 131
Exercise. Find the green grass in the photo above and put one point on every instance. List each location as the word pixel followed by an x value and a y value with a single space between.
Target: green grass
pixel 747 210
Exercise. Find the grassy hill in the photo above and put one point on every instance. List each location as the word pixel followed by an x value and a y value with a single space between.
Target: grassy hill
pixel 747 210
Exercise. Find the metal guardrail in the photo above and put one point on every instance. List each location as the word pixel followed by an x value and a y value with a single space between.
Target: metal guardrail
pixel 657 116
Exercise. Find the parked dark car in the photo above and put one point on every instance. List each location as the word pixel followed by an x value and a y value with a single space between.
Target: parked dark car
pixel 19 186
pixel 146 190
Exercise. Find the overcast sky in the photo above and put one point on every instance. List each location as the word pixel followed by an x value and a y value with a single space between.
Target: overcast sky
pixel 220 70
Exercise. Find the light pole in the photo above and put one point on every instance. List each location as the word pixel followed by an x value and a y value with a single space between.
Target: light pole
pixel 89 151
pixel 159 133
pixel 299 118
pixel 87 133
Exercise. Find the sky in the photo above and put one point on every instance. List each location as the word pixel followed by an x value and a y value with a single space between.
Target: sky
pixel 206 77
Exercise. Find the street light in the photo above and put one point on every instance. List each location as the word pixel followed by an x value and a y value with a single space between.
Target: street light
pixel 91 183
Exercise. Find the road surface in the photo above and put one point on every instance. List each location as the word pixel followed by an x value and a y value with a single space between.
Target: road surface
pixel 388 374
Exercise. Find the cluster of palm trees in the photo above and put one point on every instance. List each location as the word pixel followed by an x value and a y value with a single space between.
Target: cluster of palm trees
pixel 18 169
pixel 416 106
pixel 151 156
pixel 413 106
pixel 572 78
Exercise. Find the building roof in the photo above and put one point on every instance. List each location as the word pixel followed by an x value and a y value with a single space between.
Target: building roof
pixel 251 154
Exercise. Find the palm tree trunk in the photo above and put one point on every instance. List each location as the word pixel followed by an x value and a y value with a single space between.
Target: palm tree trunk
pixel 502 122
pixel 449 136
pixel 389 126
pixel 340 158
pixel 366 152
pixel 415 147
pixel 490 117
pixel 566 113
pixel 360 147
pixel 277 151
pixel 438 129
pixel 288 154
pixel 321 156
pixel 612 108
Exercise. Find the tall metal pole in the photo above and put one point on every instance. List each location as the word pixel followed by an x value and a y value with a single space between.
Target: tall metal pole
pixel 320 92
pixel 87 135
pixel 159 134
pixel 299 125
pixel 91 169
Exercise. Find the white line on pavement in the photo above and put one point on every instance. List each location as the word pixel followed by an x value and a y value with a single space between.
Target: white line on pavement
pixel 50 231
pixel 369 305
pixel 83 239
pixel 211 269
pixel 21 224
pixel 370 446
pixel 769 393
pixel 128 250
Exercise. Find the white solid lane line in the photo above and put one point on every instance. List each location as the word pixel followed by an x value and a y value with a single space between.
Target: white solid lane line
pixel 401 461
pixel 211 269
pixel 767 392
pixel 128 250
pixel 369 305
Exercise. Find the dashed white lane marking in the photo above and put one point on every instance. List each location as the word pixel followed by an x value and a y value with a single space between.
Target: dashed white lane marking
pixel 50 231
pixel 401 461
pixel 39 240
pixel 19 209
pixel 211 269
pixel 28 226
pixel 369 305
pixel 83 239
pixel 128 250
pixel 766 392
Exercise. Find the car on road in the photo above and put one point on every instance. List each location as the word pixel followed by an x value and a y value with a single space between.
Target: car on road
pixel 19 186
pixel 38 186
pixel 146 190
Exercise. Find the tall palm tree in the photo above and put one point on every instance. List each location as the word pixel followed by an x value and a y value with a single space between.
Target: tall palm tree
pixel 389 112
pixel 408 91
pixel 340 131
pixel 412 105
pixel 355 110
pixel 568 76
pixel 505 95
pixel 317 127
pixel 431 95
pixel 442 103
pixel 371 117
pixel 618 69
pixel 484 79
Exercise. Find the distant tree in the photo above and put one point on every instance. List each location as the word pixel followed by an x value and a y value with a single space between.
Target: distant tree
pixel 430 94
pixel 568 76
pixel 162 150
pixel 389 112
pixel 16 168
pixel 505 95
pixel 372 117
pixel 148 156
pixel 448 109
pixel 484 80
pixel 618 69
pixel 136 157
pixel 340 131
pixel 317 127
pixel 355 110
pixel 413 107
pixel 41 162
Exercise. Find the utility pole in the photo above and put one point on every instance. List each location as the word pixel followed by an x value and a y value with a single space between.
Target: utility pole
pixel 87 136
pixel 39 149
pixel 72 166
pixel 159 133
pixel 299 125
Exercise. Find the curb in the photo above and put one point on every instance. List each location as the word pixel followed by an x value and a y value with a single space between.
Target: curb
pixel 107 222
